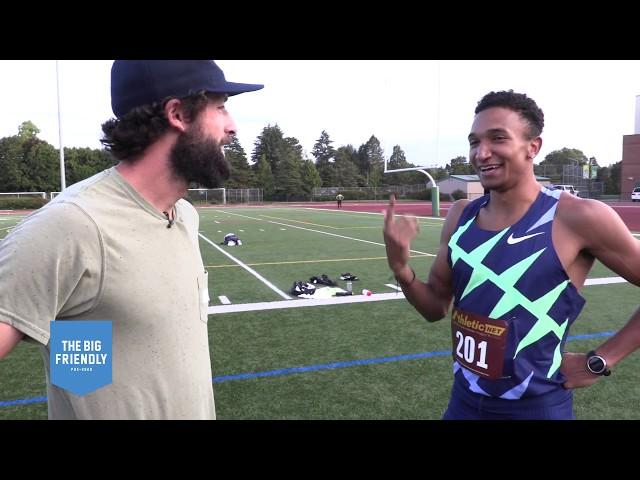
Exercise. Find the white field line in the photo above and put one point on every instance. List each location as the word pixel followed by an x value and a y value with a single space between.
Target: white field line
pixel 345 212
pixel 224 300
pixel 395 287
pixel 247 268
pixel 249 307
pixel 604 281
pixel 320 231
pixel 376 297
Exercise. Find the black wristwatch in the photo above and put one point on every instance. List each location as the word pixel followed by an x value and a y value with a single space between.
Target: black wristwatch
pixel 597 365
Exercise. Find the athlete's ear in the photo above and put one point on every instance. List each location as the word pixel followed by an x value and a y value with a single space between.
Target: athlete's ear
pixel 534 147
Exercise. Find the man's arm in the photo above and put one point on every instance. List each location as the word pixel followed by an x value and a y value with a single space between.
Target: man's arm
pixel 605 236
pixel 432 298
pixel 9 338
pixel 50 267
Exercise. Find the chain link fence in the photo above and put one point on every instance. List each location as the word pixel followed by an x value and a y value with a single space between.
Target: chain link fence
pixel 582 179
pixel 244 195
pixel 368 193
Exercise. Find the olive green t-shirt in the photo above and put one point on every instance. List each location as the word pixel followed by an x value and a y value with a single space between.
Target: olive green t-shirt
pixel 100 251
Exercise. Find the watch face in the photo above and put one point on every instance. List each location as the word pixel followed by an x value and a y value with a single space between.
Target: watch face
pixel 596 364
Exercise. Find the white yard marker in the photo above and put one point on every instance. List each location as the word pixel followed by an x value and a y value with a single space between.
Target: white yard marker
pixel 224 300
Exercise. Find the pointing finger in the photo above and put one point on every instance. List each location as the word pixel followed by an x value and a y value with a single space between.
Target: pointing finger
pixel 389 212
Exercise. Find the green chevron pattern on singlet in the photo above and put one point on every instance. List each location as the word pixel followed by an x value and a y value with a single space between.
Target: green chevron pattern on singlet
pixel 512 296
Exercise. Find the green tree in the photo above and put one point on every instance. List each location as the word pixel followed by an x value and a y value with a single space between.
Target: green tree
pixel 398 160
pixel 371 161
pixel 241 175
pixel 553 164
pixel 28 130
pixel 40 166
pixel 460 166
pixel 288 180
pixel 264 177
pixel 610 177
pixel 310 178
pixel 284 156
pixel 566 156
pixel 11 160
pixel 81 163
pixel 346 167
pixel 271 144
pixel 324 155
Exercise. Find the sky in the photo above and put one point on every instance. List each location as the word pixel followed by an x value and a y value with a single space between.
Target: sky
pixel 425 106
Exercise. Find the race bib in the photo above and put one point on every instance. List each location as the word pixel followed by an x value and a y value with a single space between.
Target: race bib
pixel 479 343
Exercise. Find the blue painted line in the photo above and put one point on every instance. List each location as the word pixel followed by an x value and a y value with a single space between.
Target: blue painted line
pixel 330 366
pixel 22 401
pixel 587 336
pixel 314 368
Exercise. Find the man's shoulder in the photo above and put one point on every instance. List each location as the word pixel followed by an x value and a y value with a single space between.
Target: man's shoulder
pixel 187 211
pixel 457 208
pixel 79 190
pixel 186 206
pixel 66 214
pixel 576 210
pixel 52 224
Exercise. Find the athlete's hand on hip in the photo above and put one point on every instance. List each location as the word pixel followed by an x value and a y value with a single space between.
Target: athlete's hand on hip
pixel 398 234
pixel 574 368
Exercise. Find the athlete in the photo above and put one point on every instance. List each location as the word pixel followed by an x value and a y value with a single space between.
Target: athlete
pixel 513 263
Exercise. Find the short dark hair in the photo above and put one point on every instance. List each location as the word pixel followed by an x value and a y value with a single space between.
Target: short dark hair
pixel 525 106
pixel 129 136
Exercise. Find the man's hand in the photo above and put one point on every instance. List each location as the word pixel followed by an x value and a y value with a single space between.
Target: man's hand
pixel 398 235
pixel 574 368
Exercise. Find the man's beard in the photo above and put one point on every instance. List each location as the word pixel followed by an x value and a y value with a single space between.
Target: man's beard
pixel 198 159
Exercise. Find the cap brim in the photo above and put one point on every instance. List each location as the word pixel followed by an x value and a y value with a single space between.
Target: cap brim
pixel 231 88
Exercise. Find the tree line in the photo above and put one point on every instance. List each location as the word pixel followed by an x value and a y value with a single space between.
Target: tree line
pixel 277 164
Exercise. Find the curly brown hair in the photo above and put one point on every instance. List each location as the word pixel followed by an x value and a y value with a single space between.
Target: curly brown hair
pixel 129 136
pixel 525 106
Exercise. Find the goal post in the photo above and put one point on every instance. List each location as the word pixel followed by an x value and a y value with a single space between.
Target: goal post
pixel 435 190
pixel 42 195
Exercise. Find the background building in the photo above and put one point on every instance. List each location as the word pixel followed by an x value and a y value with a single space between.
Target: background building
pixel 631 158
pixel 471 186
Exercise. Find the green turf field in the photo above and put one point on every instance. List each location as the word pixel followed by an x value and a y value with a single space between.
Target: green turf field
pixel 367 360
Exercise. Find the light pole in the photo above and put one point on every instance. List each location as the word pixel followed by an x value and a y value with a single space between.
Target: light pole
pixel 63 181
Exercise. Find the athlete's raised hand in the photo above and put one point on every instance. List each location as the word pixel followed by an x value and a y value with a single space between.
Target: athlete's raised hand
pixel 398 234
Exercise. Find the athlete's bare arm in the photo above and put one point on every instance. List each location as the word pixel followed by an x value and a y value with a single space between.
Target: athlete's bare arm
pixel 599 232
pixel 432 298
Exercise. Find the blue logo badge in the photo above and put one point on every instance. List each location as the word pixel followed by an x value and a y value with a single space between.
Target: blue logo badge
pixel 80 359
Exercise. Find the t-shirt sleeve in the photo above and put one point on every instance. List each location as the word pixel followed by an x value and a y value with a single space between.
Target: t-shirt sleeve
pixel 51 267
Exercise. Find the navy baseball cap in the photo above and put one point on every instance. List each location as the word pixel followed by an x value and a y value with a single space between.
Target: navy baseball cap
pixel 142 82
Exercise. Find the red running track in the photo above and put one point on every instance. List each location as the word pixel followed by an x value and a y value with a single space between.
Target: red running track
pixel 628 211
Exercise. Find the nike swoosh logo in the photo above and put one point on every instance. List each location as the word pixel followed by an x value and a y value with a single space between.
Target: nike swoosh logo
pixel 512 241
